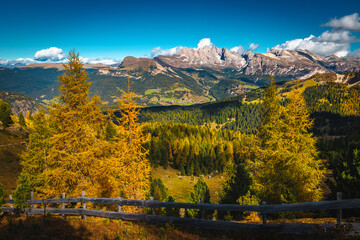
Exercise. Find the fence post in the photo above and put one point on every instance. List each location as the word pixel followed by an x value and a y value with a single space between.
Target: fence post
pixel 152 209
pixel 84 205
pixel 202 211
pixel 63 206
pixel 119 206
pixel 32 199
pixel 11 205
pixel 264 215
pixel 339 211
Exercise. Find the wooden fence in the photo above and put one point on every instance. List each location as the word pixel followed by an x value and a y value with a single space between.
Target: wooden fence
pixel 263 209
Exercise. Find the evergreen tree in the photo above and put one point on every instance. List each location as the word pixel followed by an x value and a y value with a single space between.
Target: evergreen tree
pixel 110 131
pixel 2 194
pixel 236 184
pixel 22 120
pixel 286 168
pixel 174 212
pixel 34 158
pixel 5 114
pixel 22 192
pixel 201 192
pixel 158 190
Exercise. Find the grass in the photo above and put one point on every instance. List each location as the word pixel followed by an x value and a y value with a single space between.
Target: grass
pixel 54 227
pixel 180 187
pixel 150 91
pixel 10 148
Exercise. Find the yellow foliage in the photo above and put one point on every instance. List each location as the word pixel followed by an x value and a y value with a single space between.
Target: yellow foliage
pixel 78 157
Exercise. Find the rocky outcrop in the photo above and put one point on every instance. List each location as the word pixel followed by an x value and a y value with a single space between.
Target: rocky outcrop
pixel 295 63
pixel 20 102
pixel 205 57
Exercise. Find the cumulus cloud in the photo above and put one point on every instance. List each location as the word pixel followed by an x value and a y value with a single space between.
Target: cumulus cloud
pixel 105 61
pixel 11 63
pixel 240 49
pixel 315 45
pixel 50 54
pixel 336 41
pixel 159 51
pixel 349 22
pixel 205 42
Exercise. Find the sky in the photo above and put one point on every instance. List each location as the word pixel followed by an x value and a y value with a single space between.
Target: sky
pixel 107 31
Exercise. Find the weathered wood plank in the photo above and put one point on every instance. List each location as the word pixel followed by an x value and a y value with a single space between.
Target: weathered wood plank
pixel 291 207
pixel 11 201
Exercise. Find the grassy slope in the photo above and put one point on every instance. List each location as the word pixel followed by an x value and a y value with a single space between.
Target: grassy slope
pixel 54 227
pixel 180 187
pixel 99 229
pixel 11 145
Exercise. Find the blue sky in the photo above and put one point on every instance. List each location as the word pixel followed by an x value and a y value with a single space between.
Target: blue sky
pixel 115 29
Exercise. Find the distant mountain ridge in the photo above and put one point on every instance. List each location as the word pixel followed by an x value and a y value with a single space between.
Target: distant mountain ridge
pixel 297 63
pixel 190 76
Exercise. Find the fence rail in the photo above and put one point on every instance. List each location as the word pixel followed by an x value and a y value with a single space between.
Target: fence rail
pixel 263 209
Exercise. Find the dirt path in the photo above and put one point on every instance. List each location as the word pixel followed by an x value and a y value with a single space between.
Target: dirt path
pixel 13 144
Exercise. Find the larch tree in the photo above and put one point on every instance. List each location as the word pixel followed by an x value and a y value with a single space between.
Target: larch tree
pixel 33 159
pixel 128 151
pixel 76 147
pixel 306 170
pixel 286 168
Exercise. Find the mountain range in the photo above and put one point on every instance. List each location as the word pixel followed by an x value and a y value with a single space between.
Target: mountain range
pixel 192 75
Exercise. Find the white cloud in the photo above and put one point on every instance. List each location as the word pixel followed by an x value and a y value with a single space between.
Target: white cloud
pixel 253 47
pixel 240 49
pixel 349 22
pixel 105 61
pixel 11 63
pixel 205 42
pixel 336 41
pixel 315 45
pixel 50 54
pixel 337 36
pixel 158 51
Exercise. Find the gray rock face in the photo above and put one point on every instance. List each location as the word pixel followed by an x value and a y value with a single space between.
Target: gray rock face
pixel 210 57
pixel 297 63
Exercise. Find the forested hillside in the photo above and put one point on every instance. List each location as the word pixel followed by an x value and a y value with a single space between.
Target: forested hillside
pixel 333 106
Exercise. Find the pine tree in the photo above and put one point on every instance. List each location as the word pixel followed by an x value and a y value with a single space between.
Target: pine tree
pixel 22 120
pixel 5 114
pixel 236 184
pixel 201 192
pixel 158 190
pixel 174 212
pixel 2 194
pixel 22 192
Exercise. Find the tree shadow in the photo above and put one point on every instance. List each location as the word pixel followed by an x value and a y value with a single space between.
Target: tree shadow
pixel 36 227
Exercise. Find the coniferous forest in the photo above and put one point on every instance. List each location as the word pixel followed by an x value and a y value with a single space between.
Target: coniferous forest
pixel 284 143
